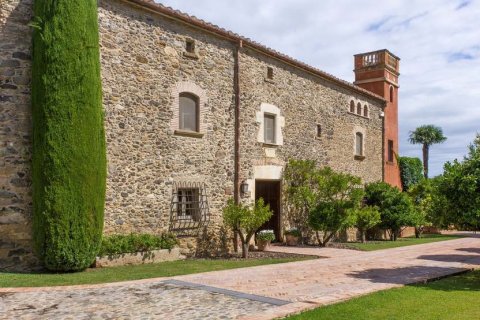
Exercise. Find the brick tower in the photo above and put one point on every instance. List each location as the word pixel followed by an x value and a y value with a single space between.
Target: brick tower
pixel 377 72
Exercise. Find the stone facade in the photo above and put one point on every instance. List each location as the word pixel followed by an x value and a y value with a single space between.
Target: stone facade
pixel 15 134
pixel 145 66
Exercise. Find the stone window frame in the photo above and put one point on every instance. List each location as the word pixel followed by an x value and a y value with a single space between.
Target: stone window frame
pixel 363 132
pixel 266 108
pixel 358 110
pixel 190 49
pixel 191 88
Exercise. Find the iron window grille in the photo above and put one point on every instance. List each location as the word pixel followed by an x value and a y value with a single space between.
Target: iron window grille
pixel 189 206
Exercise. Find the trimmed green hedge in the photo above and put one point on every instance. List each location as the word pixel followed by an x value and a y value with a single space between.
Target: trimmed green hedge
pixel 69 161
pixel 411 171
pixel 118 244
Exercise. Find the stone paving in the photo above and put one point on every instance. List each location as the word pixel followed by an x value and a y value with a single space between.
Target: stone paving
pixel 244 293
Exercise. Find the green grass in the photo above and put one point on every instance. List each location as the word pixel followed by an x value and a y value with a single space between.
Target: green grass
pixel 401 242
pixel 114 274
pixel 452 298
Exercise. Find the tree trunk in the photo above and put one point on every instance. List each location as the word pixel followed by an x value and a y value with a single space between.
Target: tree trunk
pixel 235 241
pixel 425 160
pixel 418 232
pixel 363 236
pixel 245 250
pixel 320 242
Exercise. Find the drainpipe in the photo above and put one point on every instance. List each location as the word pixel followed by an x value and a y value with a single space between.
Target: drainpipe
pixel 236 175
pixel 383 145
pixel 236 88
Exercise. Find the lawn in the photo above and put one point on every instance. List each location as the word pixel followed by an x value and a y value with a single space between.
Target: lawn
pixel 450 299
pixel 401 242
pixel 124 273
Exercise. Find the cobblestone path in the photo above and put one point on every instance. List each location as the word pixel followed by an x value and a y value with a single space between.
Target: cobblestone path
pixel 263 292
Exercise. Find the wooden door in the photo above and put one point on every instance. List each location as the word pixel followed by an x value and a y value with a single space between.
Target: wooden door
pixel 270 192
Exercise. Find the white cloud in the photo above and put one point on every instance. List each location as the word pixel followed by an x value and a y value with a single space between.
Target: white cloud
pixel 437 40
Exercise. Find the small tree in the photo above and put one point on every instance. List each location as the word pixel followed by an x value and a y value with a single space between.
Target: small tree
pixel 366 218
pixel 336 198
pixel 245 220
pixel 422 197
pixel 396 208
pixel 411 171
pixel 426 135
pixel 460 187
pixel 300 182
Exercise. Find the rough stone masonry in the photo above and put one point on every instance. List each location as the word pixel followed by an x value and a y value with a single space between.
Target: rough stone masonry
pixel 147 60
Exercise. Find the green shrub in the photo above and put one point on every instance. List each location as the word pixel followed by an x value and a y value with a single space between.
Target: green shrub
pixel 265 235
pixel 69 161
pixel 336 198
pixel 411 171
pixel 293 232
pixel 396 208
pixel 119 243
pixel 366 218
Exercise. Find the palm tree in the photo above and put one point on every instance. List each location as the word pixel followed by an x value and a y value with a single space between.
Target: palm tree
pixel 426 135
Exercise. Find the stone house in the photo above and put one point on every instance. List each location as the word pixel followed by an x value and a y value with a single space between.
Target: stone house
pixel 194 116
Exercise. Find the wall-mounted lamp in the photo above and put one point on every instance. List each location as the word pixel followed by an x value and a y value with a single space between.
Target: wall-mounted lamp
pixel 244 187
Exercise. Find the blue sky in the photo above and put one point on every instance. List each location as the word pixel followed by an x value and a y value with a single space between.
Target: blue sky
pixel 438 43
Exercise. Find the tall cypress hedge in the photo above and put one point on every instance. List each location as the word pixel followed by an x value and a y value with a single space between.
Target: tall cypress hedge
pixel 69 161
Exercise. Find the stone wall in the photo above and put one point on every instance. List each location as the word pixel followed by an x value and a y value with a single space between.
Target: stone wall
pixel 144 67
pixel 15 134
pixel 305 101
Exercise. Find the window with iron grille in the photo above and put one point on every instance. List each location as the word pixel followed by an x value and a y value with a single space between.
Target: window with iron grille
pixel 189 207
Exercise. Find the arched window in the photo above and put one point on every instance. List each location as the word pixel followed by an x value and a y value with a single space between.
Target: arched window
pixel 365 111
pixel 391 93
pixel 352 106
pixel 359 144
pixel 188 112
pixel 359 108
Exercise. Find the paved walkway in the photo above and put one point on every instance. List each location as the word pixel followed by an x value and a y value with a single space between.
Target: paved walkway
pixel 263 292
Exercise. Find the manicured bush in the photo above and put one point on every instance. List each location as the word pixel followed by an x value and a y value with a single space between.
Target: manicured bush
pixel 293 232
pixel 411 171
pixel 396 208
pixel 337 197
pixel 69 161
pixel 265 235
pixel 131 243
pixel 366 218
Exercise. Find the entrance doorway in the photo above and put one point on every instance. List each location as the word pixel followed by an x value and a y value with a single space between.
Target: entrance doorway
pixel 270 192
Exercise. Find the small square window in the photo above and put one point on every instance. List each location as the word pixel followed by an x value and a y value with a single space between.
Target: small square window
pixel 270 73
pixel 319 130
pixel 190 46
